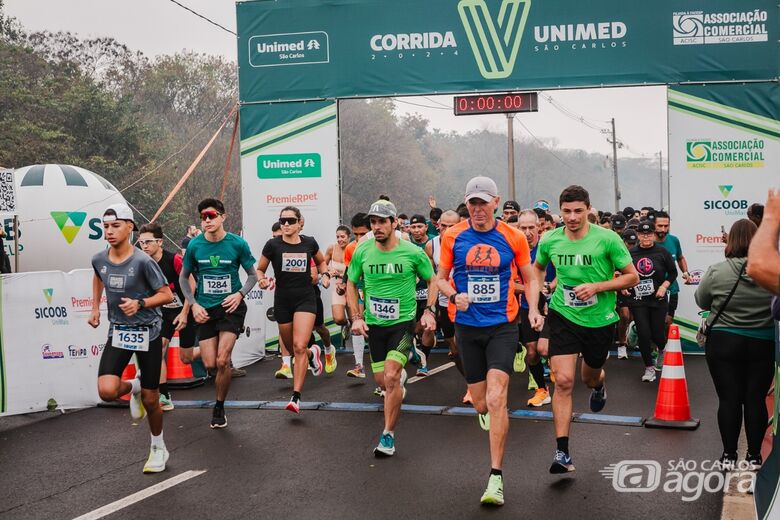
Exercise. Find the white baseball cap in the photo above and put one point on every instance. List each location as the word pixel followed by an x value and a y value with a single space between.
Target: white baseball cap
pixel 481 188
pixel 119 211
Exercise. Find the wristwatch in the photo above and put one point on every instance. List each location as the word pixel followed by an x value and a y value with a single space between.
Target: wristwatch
pixel 431 308
pixel 141 303
pixel 452 297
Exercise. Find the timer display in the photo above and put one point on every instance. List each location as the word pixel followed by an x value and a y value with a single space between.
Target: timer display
pixel 496 103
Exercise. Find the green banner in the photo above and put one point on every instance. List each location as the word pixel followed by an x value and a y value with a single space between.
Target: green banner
pixel 318 49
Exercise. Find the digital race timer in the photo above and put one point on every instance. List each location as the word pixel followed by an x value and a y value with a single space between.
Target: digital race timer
pixel 496 103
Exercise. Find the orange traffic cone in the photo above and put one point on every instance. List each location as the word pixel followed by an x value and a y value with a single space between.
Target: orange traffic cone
pixel 128 374
pixel 672 408
pixel 179 374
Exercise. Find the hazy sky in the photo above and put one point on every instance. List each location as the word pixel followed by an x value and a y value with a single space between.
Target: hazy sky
pixel 161 27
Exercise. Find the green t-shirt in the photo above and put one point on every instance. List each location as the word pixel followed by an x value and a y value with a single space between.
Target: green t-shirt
pixel 672 244
pixel 390 278
pixel 594 258
pixel 215 267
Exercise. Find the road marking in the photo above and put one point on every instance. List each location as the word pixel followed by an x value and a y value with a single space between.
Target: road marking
pixel 436 370
pixel 140 495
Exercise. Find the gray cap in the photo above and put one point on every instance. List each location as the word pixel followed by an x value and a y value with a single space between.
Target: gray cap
pixel 382 208
pixel 481 188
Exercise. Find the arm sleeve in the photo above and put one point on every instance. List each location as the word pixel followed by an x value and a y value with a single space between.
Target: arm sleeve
pixel 251 279
pixel 184 282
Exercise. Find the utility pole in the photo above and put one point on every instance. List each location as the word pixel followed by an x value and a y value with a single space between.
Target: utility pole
pixel 510 118
pixel 615 166
pixel 661 178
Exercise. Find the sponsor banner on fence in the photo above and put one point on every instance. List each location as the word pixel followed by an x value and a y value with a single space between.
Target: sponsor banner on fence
pixel 315 49
pixel 289 157
pixel 50 355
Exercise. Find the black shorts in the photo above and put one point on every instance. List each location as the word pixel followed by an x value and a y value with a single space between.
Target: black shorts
pixel 393 342
pixel 674 299
pixel 287 304
pixel 187 335
pixel 567 337
pixel 444 322
pixel 319 320
pixel 527 333
pixel 114 360
pixel 483 348
pixel 220 321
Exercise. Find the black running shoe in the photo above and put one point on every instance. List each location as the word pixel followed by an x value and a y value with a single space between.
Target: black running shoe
pixel 218 419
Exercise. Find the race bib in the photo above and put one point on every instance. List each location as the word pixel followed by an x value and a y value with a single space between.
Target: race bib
pixel 294 263
pixel 385 308
pixel 216 284
pixel 484 289
pixel 130 337
pixel 570 298
pixel 422 294
pixel 175 304
pixel 644 288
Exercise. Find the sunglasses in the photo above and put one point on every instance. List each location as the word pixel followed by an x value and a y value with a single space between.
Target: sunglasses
pixel 288 221
pixel 145 242
pixel 209 215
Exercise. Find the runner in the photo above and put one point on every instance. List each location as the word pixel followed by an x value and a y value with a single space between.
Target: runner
pixel 528 223
pixel 582 310
pixel 219 308
pixel 424 339
pixel 295 302
pixel 176 315
pixel 648 306
pixel 511 208
pixel 630 239
pixel 284 372
pixel 483 257
pixel 334 257
pixel 433 250
pixel 135 289
pixel 672 244
pixel 360 227
pixel 389 268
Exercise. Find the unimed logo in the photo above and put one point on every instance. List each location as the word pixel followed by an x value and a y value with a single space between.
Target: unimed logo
pixel 289 166
pixel 495 40
pixel 273 50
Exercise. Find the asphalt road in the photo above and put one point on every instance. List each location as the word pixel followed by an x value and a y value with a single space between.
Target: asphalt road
pixel 270 463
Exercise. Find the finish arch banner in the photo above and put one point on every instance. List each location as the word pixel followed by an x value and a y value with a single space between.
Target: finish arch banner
pixel 321 49
pixel 724 154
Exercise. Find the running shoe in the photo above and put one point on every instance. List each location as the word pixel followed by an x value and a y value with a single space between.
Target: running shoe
pixel 166 403
pixel 754 462
pixel 540 398
pixel 218 418
pixel 467 398
pixel 315 361
pixel 561 463
pixel 357 372
pixel 294 405
pixel 137 410
pixel 284 372
pixel 632 338
pixel 330 361
pixel 649 375
pixel 422 372
pixel 237 372
pixel 659 362
pixel 417 357
pixel 728 461
pixel 622 352
pixel 157 459
pixel 484 421
pixel 519 363
pixel 494 493
pixel 386 446
pixel 532 382
pixel 598 398
pixel 404 377
pixel 379 392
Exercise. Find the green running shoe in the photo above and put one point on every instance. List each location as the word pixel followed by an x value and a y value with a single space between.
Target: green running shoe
pixel 494 494
pixel 484 421
pixel 519 364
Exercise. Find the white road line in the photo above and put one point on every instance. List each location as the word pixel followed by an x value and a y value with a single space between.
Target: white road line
pixel 137 497
pixel 436 370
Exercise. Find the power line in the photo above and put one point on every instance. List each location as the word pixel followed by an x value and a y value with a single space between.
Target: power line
pixel 545 146
pixel 209 20
pixel 419 105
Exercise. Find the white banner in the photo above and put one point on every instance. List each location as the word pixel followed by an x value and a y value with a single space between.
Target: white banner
pixel 50 355
pixel 722 159
pixel 250 346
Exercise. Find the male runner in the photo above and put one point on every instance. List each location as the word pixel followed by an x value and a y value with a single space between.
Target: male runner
pixel 582 310
pixel 418 235
pixel 219 308
pixel 672 244
pixel 511 208
pixel 135 289
pixel 389 268
pixel 175 315
pixel 484 256
pixel 360 228
pixel 528 222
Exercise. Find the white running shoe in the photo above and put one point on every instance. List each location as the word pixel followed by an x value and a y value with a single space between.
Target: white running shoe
pixel 157 459
pixel 649 376
pixel 137 410
pixel 622 352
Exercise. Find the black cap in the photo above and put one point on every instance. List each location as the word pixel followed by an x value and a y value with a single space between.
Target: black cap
pixel 628 212
pixel 651 216
pixel 618 221
pixel 511 204
pixel 629 235
pixel 417 219
pixel 645 227
pixel 632 223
